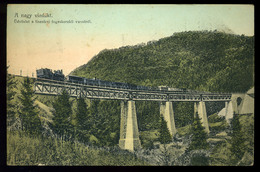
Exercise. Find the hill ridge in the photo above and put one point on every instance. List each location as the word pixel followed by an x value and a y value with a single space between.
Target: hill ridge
pixel 201 60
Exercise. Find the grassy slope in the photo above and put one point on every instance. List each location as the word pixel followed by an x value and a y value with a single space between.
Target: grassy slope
pixel 23 150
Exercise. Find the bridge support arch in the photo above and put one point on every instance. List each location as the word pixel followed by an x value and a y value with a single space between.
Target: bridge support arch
pixel 166 109
pixel 129 136
pixel 200 108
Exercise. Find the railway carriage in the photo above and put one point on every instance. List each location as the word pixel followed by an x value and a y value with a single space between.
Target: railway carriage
pixel 58 75
pixel 76 79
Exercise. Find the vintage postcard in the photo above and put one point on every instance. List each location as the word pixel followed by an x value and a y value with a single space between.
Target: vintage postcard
pixel 130 85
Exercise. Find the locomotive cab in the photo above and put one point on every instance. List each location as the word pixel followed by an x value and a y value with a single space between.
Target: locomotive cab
pixel 44 73
pixel 48 74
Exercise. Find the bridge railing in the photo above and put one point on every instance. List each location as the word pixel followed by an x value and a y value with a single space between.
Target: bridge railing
pixel 50 87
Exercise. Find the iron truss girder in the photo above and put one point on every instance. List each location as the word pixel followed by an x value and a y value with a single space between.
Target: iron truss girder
pixel 95 92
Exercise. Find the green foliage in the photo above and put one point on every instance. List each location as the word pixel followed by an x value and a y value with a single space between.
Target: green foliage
pixel 237 141
pixel 104 122
pixel 201 60
pixel 242 150
pixel 247 128
pixel 82 113
pixel 10 93
pixel 182 115
pixel 62 113
pixel 165 136
pixel 199 135
pixel 82 121
pixel 193 158
pixel 148 115
pixel 27 111
pixel 148 137
pixel 198 60
pixel 217 123
pixel 165 155
pixel 215 118
pixel 220 154
pixel 199 159
pixel 218 126
pixel 47 151
pixel 186 130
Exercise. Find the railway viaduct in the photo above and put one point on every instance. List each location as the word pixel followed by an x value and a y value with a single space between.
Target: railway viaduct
pixel 129 135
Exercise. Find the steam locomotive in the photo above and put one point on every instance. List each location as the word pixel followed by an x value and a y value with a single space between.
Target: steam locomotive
pixel 58 75
pixel 48 74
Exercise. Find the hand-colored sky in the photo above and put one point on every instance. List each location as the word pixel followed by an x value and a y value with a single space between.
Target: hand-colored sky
pixel 67 46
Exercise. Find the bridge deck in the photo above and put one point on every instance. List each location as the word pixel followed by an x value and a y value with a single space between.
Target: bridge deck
pixel 51 87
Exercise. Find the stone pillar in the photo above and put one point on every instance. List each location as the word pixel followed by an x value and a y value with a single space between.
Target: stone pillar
pixel 166 109
pixel 226 108
pixel 129 136
pixel 228 111
pixel 201 109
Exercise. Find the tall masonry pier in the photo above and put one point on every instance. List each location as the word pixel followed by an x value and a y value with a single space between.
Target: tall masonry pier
pixel 166 110
pixel 129 136
pixel 200 108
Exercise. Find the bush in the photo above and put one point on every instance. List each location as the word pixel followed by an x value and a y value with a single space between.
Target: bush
pixel 199 159
pixel 24 150
pixel 193 158
pixel 215 118
pixel 218 127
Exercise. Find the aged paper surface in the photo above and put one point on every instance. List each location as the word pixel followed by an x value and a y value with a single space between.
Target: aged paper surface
pixel 151 47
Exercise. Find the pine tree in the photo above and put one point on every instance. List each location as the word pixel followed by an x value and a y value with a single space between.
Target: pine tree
pixel 10 93
pixel 28 113
pixel 81 114
pixel 82 120
pixel 62 112
pixel 165 136
pixel 237 141
pixel 199 136
pixel 94 116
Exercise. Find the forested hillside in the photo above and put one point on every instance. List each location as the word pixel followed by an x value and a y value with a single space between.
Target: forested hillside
pixel 201 60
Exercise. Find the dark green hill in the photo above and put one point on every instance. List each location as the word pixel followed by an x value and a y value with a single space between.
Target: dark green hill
pixel 201 60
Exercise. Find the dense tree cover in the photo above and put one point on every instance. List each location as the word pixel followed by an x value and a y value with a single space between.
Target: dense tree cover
pixel 237 141
pixel 148 115
pixel 201 60
pixel 28 113
pixel 11 84
pixel 183 113
pixel 83 122
pixel 62 117
pixel 106 121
